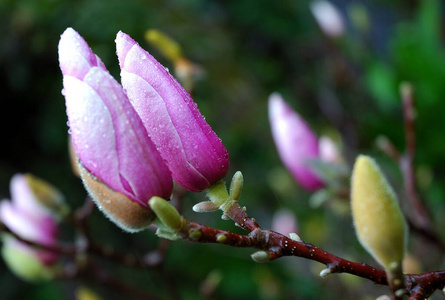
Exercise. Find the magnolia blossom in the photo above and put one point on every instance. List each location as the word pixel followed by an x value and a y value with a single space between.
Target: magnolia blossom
pixel 194 154
pixel 108 136
pixel 297 145
pixel 30 215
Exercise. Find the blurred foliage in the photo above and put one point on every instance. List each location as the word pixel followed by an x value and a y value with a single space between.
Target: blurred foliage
pixel 247 49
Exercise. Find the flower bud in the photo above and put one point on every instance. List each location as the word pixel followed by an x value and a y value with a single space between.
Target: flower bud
pixel 378 220
pixel 260 256
pixel 166 213
pixel 127 214
pixel 109 138
pixel 24 262
pixel 32 214
pixel 193 152
pixel 296 143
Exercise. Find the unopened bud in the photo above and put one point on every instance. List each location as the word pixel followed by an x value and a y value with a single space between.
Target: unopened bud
pixel 24 262
pixel 205 206
pixel 379 222
pixel 122 211
pixel 236 185
pixel 295 237
pixel 166 213
pixel 325 272
pixel 260 256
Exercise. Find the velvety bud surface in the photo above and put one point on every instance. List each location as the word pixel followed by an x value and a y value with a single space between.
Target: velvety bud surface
pixel 194 153
pixel 297 145
pixel 378 220
pixel 108 135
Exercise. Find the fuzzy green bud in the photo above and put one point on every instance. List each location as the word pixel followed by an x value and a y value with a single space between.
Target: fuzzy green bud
pixel 378 220
pixel 236 185
pixel 166 213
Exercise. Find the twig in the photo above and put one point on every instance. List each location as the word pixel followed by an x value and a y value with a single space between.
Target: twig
pixel 406 162
pixel 276 245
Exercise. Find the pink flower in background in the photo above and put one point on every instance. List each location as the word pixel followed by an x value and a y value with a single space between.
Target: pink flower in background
pixel 193 152
pixel 328 17
pixel 108 135
pixel 297 145
pixel 328 150
pixel 31 215
pixel 284 222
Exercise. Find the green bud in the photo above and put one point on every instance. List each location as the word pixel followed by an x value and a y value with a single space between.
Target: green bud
pixel 221 238
pixel 378 220
pixel 205 206
pixel 24 262
pixel 236 185
pixel 166 213
pixel 260 256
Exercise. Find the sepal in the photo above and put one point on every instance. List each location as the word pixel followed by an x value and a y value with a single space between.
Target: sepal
pixel 125 213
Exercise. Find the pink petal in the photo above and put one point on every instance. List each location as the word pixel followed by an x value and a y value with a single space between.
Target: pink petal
pixel 297 145
pixel 194 153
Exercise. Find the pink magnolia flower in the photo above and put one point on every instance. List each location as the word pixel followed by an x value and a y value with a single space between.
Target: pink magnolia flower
pixel 32 218
pixel 193 152
pixel 108 135
pixel 297 145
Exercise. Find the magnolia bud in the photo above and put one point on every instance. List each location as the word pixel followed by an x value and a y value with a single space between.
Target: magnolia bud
pixel 296 143
pixel 260 256
pixel 32 214
pixel 378 220
pixel 119 162
pixel 122 211
pixel 194 154
pixel 23 261
pixel 166 213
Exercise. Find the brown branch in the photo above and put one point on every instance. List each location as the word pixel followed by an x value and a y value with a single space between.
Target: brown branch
pixel 406 161
pixel 276 245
